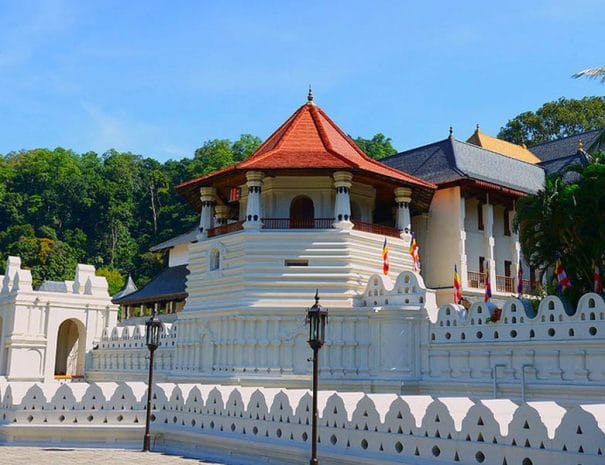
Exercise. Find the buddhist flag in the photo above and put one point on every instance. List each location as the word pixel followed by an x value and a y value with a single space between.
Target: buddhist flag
pixel 520 280
pixel 385 257
pixel 564 281
pixel 415 253
pixel 457 287
pixel 488 289
pixel 598 286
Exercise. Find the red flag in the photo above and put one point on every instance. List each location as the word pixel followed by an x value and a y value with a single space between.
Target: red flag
pixel 385 257
pixel 598 286
pixel 457 286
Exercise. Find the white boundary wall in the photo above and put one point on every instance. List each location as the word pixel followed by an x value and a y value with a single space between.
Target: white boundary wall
pixel 213 420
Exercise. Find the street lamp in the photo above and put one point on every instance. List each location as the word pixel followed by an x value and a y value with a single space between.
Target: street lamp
pixel 317 317
pixel 152 339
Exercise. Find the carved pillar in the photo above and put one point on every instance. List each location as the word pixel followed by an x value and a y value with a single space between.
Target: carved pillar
pixel 253 207
pixel 207 196
pixel 342 204
pixel 403 197
pixel 488 213
pixel 221 214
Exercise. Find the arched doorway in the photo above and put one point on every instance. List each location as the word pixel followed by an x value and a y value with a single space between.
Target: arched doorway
pixel 69 359
pixel 302 212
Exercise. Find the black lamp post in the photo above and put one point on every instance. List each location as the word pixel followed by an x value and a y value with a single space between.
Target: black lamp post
pixel 317 317
pixel 152 339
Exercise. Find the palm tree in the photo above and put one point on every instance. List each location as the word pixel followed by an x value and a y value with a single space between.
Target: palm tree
pixel 592 73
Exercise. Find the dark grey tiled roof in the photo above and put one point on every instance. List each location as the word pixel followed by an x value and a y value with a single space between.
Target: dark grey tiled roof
pixel 451 159
pixel 168 285
pixel 557 165
pixel 568 146
pixel 128 288
pixel 190 236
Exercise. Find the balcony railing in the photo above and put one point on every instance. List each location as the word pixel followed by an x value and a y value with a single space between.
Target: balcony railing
pixel 475 279
pixel 316 223
pixel 376 229
pixel 287 223
pixel 503 283
pixel 225 229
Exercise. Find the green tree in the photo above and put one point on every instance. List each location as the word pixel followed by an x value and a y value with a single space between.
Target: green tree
pixel 567 221
pixel 377 147
pixel 47 259
pixel 115 279
pixel 554 120
pixel 245 146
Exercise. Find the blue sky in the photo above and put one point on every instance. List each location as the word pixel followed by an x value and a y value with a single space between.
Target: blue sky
pixel 159 78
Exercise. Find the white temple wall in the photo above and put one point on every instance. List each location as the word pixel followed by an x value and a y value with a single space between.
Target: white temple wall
pixel 32 320
pixel 178 255
pixel 440 241
pixel 354 428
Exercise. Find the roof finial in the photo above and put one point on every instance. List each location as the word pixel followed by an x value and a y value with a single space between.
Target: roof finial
pixel 451 132
pixel 316 296
pixel 580 145
pixel 310 95
pixel 477 127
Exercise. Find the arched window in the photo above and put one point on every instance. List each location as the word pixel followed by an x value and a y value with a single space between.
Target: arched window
pixel 215 259
pixel 302 212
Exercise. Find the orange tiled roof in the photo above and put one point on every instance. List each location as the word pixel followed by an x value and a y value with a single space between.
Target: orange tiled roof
pixel 502 147
pixel 309 140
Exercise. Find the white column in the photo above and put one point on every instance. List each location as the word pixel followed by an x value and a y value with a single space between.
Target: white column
pixel 403 197
pixel 208 201
pixel 462 244
pixel 253 206
pixel 488 213
pixel 516 251
pixel 342 205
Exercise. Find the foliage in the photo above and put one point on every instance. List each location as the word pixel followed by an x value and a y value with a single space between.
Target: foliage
pixel 592 73
pixel 377 147
pixel 554 120
pixel 115 279
pixel 566 220
pixel 58 208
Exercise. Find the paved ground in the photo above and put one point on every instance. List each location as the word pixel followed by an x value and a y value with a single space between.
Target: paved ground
pixel 67 456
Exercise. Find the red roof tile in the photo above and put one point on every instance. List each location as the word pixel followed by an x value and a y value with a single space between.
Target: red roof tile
pixel 310 140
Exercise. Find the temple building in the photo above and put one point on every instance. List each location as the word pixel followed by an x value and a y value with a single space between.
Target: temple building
pixel 469 223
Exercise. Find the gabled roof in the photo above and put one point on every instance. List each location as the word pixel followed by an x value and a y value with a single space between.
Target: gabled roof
pixel 451 160
pixel 128 288
pixel 185 238
pixel 519 152
pixel 557 165
pixel 308 142
pixel 168 285
pixel 568 146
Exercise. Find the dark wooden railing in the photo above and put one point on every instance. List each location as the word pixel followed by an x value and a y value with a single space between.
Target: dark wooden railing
pixel 287 223
pixel 376 229
pixel 316 223
pixel 225 229
pixel 475 279
pixel 505 284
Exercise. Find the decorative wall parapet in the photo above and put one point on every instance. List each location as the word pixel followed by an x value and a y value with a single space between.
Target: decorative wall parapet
pixel 353 427
pixel 548 349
